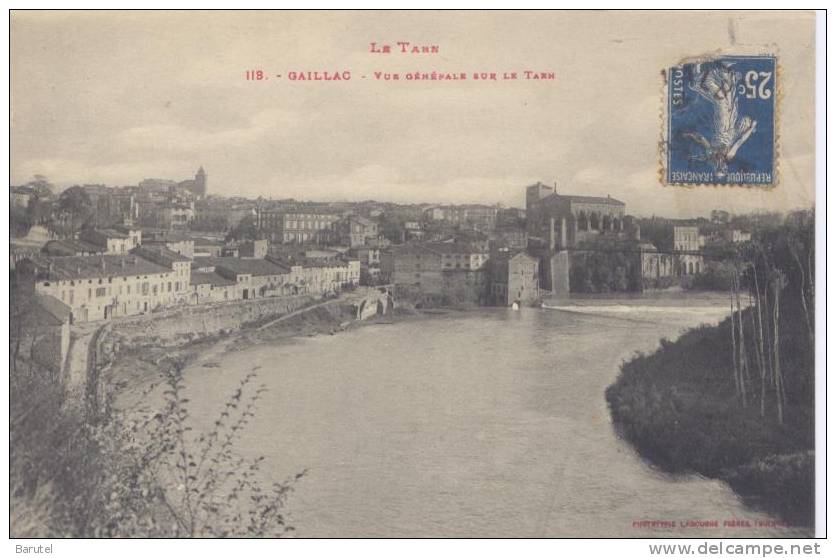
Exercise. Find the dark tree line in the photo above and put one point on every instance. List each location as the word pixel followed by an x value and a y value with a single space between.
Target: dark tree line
pixel 775 277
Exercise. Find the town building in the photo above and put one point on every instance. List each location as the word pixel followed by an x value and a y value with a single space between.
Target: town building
pixel 514 277
pixel 327 277
pixel 369 256
pixel 197 185
pixel 178 242
pixel 479 217
pixel 298 227
pixel 174 214
pixel 19 196
pixel 450 268
pixel 564 221
pixel 156 185
pixel 111 205
pixel 70 247
pixel 104 286
pixel 509 236
pixel 687 243
pixel 212 287
pixel 111 241
pixel 355 230
pixel 656 267
pixel 253 278
pixel 206 247
pixel 413 230
pixel 253 248
pixel 737 236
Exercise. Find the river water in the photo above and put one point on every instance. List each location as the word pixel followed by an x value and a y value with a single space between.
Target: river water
pixel 488 423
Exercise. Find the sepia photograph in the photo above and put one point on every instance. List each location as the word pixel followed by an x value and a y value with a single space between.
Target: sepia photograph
pixel 414 274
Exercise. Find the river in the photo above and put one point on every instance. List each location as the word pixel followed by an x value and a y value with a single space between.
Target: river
pixel 488 423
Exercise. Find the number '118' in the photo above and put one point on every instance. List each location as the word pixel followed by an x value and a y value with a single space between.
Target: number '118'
pixel 254 75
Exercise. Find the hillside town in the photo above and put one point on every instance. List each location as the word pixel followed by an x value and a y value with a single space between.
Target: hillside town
pixel 95 253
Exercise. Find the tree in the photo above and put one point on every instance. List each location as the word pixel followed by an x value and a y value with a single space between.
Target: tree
pixel 245 230
pixel 75 208
pixel 42 187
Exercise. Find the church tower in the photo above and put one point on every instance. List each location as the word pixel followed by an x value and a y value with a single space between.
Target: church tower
pixel 200 182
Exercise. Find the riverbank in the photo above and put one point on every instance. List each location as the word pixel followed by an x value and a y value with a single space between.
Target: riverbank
pixel 133 365
pixel 679 409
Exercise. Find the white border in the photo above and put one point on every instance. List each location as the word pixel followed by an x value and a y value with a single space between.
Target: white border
pixel 420 548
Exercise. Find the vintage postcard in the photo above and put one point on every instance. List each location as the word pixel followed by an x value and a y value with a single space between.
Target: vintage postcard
pixel 395 274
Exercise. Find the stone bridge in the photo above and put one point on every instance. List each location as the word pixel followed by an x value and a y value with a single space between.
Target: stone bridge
pixel 372 301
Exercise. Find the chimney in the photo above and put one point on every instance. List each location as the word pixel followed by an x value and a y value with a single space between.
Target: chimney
pixel 122 263
pixel 555 186
pixel 78 269
pixel 103 263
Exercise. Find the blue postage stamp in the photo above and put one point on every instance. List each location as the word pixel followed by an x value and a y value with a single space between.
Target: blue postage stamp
pixel 721 121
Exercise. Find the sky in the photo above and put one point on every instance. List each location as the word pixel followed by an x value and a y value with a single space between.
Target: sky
pixel 115 97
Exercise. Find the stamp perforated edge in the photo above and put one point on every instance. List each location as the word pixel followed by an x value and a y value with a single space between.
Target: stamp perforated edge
pixel 740 50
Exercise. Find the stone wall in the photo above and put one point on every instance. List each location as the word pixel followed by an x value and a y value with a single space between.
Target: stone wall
pixel 206 319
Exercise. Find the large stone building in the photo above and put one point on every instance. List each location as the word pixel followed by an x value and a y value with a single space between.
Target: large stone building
pixel 564 221
pixel 440 268
pixel 298 226
pixel 687 242
pixel 513 277
pixel 106 286
pixel 557 223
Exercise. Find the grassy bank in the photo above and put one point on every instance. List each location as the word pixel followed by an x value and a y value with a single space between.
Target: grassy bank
pixel 679 408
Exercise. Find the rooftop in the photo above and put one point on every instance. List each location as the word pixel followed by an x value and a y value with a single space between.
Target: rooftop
pixel 61 268
pixel 243 266
pixel 69 247
pixel 160 254
pixel 106 233
pixel 592 199
pixel 210 278
pixel 453 248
